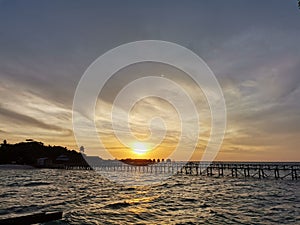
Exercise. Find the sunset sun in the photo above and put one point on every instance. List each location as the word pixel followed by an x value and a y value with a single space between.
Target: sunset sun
pixel 139 148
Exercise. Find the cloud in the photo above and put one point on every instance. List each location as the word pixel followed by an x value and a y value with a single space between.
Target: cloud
pixel 27 120
pixel 46 47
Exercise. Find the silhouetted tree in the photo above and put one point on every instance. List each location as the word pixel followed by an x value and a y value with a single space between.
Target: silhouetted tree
pixel 29 152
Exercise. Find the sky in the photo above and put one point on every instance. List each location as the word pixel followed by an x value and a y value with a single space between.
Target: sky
pixel 251 46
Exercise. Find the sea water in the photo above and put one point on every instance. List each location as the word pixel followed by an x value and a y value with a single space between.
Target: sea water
pixel 86 197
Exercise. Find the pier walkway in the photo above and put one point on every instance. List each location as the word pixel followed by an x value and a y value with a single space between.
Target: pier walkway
pixel 267 170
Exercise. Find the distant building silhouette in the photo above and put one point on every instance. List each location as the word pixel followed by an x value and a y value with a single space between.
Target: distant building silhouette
pixel 44 162
pixel 62 158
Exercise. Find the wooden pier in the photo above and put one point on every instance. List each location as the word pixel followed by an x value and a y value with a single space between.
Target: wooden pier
pixel 266 170
pixel 254 170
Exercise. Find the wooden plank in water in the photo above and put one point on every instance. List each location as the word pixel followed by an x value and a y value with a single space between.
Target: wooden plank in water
pixel 32 219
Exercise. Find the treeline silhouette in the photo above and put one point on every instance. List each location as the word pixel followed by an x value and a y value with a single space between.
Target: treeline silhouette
pixel 28 153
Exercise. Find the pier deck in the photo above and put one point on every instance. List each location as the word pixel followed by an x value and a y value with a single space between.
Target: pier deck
pixel 215 169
